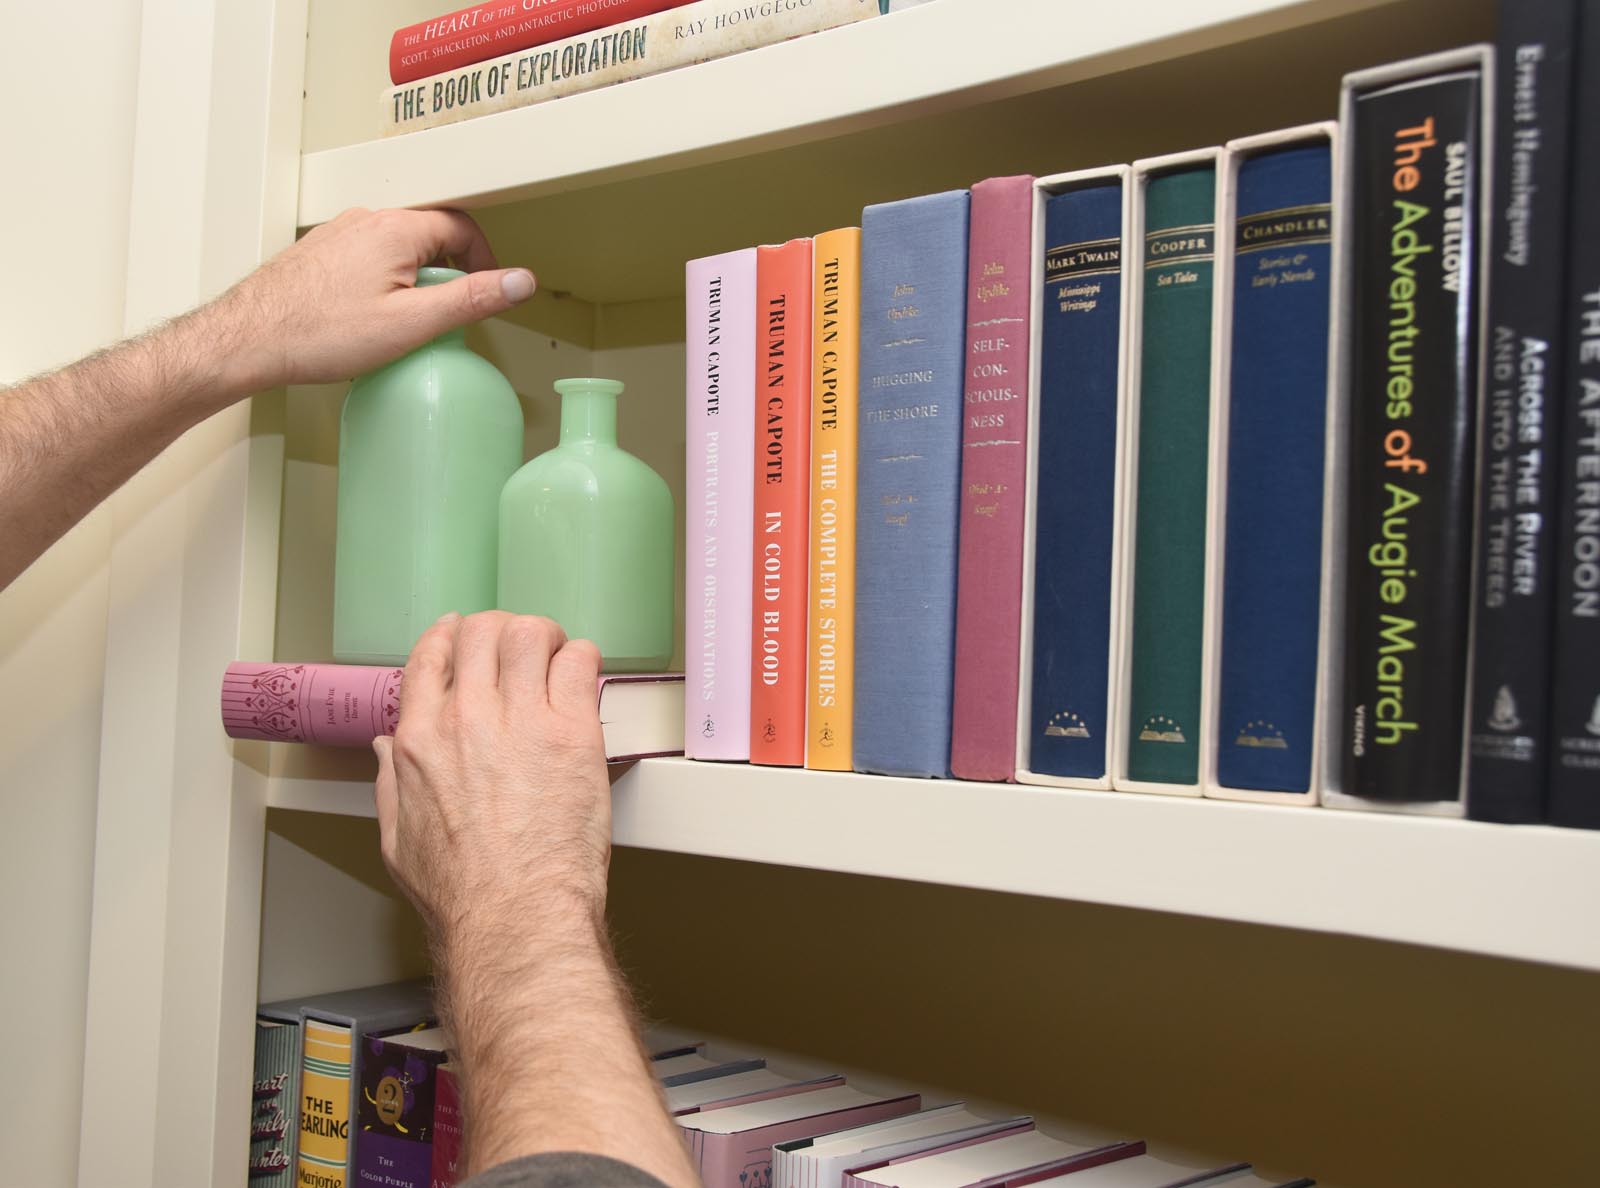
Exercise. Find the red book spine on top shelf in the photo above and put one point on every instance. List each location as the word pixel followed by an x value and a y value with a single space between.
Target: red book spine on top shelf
pixel 502 27
pixel 780 586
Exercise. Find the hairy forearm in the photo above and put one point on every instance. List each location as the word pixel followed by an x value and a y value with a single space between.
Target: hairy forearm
pixel 70 438
pixel 549 1047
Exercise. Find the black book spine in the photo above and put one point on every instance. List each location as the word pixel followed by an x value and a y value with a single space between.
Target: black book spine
pixel 1575 699
pixel 1413 398
pixel 1519 451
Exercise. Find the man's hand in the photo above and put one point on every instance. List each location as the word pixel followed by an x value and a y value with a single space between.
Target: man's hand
pixel 493 802
pixel 494 813
pixel 343 299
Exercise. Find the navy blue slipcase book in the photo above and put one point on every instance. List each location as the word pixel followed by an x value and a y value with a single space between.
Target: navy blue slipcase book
pixel 1277 405
pixel 913 348
pixel 1080 331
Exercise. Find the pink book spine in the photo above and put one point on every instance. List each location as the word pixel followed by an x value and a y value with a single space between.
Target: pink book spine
pixel 720 334
pixel 340 705
pixel 744 1159
pixel 446 1130
pixel 994 460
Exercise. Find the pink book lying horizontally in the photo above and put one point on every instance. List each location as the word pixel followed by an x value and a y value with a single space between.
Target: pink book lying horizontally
pixel 732 1147
pixel 349 705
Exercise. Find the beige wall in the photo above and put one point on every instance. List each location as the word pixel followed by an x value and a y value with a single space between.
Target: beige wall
pixel 65 207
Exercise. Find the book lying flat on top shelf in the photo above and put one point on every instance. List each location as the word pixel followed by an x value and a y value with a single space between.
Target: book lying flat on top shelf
pixel 457 39
pixel 652 44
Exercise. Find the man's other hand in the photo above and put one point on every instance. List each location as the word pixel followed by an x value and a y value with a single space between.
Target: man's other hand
pixel 494 808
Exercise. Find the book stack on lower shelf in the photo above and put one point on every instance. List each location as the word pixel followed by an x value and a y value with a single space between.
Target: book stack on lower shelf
pixel 378 1102
pixel 1165 478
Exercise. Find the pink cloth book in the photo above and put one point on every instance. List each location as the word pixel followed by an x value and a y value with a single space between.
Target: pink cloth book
pixel 719 501
pixel 994 459
pixel 732 1148
pixel 349 705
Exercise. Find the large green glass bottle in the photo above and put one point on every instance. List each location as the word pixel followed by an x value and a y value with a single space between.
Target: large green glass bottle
pixel 425 445
pixel 586 537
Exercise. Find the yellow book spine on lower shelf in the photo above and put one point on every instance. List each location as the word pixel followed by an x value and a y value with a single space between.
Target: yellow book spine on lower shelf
pixel 836 332
pixel 324 1106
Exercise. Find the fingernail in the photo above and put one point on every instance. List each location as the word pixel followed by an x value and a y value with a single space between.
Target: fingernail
pixel 447 617
pixel 517 284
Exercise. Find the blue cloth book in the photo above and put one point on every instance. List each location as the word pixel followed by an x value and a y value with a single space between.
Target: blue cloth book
pixel 1277 402
pixel 913 347
pixel 1075 494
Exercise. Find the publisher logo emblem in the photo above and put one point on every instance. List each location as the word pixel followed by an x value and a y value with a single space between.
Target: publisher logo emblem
pixel 1504 715
pixel 390 1100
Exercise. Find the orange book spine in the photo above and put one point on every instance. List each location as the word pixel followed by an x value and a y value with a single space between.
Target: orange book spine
pixel 836 336
pixel 779 579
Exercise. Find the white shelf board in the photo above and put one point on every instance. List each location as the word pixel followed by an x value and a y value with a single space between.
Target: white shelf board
pixel 941 56
pixel 1508 891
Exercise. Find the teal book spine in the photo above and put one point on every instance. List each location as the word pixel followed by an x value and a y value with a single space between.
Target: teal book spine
pixel 274 1089
pixel 1174 402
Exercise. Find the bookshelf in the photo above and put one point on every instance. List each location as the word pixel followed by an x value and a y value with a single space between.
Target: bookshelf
pixel 1409 879
pixel 220 870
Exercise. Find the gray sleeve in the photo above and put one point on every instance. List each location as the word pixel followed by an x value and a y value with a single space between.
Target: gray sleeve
pixel 563 1170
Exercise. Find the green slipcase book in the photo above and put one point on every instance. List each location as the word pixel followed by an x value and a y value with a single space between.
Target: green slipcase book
pixel 1173 400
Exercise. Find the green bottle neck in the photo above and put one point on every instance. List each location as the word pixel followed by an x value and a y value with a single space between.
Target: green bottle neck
pixel 589 416
pixel 429 276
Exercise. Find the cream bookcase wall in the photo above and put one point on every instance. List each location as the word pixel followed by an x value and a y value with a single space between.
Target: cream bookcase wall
pixel 1376 1001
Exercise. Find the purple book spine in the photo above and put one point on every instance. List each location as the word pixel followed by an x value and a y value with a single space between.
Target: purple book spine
pixel 719 496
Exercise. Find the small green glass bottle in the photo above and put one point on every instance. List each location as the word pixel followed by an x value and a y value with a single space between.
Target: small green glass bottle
pixel 586 537
pixel 425 445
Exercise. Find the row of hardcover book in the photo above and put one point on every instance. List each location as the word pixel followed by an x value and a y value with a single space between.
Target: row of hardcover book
pixel 357 1087
pixel 1167 477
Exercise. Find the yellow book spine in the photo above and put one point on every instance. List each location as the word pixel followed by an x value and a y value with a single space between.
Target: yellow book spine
pixel 836 336
pixel 324 1106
